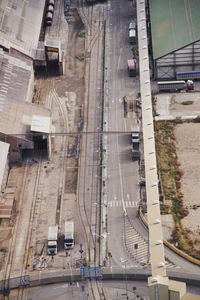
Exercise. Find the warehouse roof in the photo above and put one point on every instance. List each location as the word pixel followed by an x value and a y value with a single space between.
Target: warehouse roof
pixel 15 91
pixel 174 25
pixel 40 124
pixel 20 24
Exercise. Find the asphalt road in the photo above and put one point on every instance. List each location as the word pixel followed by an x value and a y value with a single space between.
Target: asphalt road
pixel 112 290
pixel 122 185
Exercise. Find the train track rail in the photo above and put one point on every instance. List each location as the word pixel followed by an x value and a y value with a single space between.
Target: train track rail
pixel 64 146
pixel 89 175
pixel 19 254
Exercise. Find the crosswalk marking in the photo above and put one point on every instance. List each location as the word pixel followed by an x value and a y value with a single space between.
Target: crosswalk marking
pixel 118 203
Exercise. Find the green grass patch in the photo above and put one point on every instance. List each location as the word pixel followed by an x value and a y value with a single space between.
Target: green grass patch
pixel 81 34
pixel 80 58
pixel 75 182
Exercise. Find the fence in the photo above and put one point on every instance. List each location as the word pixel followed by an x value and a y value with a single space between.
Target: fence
pixel 13 283
pixel 91 272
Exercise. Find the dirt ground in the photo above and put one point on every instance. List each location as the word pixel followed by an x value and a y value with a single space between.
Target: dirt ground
pixel 188 151
pixel 70 89
pixel 172 104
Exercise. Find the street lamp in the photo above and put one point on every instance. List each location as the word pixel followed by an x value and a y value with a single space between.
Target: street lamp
pixel 81 249
pixel 125 261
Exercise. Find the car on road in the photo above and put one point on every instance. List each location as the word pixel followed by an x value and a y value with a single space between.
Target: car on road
pixel 133 25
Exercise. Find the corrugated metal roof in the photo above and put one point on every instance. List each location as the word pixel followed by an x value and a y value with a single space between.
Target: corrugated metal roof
pixel 20 24
pixel 40 124
pixel 15 112
pixel 4 147
pixel 174 25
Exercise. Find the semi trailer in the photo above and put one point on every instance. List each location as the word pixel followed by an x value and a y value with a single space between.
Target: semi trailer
pixel 69 235
pixel 176 85
pixel 52 240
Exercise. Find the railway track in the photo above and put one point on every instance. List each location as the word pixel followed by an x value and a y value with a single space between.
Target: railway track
pixel 18 266
pixel 64 146
pixel 89 175
pixel 19 254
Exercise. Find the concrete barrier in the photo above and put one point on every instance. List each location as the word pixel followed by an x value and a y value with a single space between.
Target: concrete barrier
pixel 133 274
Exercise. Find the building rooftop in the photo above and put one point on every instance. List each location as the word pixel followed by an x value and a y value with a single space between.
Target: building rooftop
pixel 174 25
pixel 40 124
pixel 16 109
pixel 20 24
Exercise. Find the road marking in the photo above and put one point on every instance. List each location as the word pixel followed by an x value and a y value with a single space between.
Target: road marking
pixel 118 203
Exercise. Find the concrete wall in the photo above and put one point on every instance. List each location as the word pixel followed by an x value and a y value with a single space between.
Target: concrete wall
pixel 30 89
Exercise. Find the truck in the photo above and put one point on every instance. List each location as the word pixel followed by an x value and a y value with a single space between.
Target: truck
pixel 132 126
pixel 135 136
pixel 132 36
pixel 67 4
pixel 52 240
pixel 69 235
pixel 131 67
pixel 135 140
pixel 176 85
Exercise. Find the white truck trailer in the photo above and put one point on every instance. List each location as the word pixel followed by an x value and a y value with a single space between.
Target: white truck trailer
pixel 132 36
pixel 69 235
pixel 52 240
pixel 135 135
pixel 135 139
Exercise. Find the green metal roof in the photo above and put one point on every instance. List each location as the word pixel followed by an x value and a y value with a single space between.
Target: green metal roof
pixel 174 24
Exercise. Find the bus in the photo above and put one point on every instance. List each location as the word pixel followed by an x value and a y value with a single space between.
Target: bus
pixel 176 85
pixel 131 67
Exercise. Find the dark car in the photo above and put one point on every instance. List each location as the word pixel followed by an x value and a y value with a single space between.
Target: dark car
pixel 67 3
pixel 133 25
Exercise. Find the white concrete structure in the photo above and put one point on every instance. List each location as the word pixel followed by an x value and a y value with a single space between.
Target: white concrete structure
pixel 4 148
pixel 160 287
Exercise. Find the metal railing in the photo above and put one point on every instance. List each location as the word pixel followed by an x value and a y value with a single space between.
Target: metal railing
pixel 14 283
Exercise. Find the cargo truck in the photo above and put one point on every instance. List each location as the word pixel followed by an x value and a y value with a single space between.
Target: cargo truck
pixel 176 85
pixel 52 240
pixel 131 67
pixel 69 235
pixel 132 36
pixel 131 125
pixel 135 136
pixel 135 139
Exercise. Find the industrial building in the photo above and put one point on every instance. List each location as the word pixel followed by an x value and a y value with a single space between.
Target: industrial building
pixel 25 43
pixel 175 37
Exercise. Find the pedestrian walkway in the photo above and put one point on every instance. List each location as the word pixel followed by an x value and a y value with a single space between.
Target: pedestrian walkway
pixel 135 244
pixel 118 203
